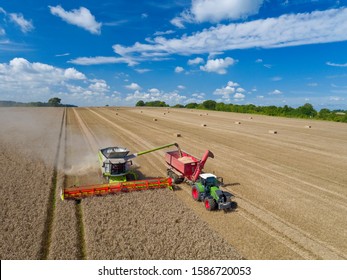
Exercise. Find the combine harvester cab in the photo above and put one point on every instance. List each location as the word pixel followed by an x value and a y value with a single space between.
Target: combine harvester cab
pixel 115 163
pixel 183 166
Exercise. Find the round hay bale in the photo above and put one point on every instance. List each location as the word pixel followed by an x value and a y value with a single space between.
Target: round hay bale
pixel 237 122
pixel 307 126
pixel 203 124
pixel 177 134
pixel 273 131
pixel 251 118
pixel 155 120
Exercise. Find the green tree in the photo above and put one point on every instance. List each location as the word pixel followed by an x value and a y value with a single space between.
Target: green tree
pixel 140 103
pixel 55 101
pixel 191 105
pixel 307 110
pixel 209 104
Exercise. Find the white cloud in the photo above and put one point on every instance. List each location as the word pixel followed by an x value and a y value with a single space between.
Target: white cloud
pixel 218 65
pixel 153 94
pixel 142 70
pixel 232 84
pixel 231 89
pixel 197 60
pixel 25 25
pixel 259 60
pixel 181 87
pixel 179 69
pixel 101 60
pixel 160 33
pixel 73 74
pixel 133 86
pixel 43 81
pixel 239 96
pixel 336 64
pixel 81 17
pixel 275 92
pixel 216 11
pixel 99 86
pixel 286 30
pixel 63 54
pixel 276 78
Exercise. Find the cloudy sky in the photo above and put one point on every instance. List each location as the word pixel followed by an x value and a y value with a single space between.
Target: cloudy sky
pixel 264 52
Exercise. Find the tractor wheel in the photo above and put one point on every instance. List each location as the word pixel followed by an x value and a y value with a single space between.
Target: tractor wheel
pixel 210 204
pixel 196 194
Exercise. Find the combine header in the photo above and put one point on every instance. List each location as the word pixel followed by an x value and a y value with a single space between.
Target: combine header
pixel 116 169
pixel 104 189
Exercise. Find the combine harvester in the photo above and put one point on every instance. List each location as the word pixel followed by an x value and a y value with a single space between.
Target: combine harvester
pixel 116 169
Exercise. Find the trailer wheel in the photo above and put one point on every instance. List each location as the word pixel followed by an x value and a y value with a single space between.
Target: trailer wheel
pixel 196 194
pixel 210 204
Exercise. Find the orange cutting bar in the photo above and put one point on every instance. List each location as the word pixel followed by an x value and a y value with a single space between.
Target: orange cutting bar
pixel 79 192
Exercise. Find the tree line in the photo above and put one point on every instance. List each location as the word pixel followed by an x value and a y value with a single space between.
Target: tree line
pixel 52 102
pixel 304 111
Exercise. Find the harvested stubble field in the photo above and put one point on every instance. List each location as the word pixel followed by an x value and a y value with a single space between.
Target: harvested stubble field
pixel 291 187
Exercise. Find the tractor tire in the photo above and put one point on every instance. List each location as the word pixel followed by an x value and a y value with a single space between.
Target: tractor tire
pixel 210 204
pixel 196 194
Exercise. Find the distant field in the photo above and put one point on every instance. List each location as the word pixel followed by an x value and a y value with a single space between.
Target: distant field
pixel 288 175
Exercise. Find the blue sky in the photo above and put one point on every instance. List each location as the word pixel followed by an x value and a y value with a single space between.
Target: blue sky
pixel 91 53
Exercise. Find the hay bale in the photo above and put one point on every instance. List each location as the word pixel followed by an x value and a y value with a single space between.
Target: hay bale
pixel 237 122
pixel 203 124
pixel 177 134
pixel 164 114
pixel 251 118
pixel 206 114
pixel 200 115
pixel 141 112
pixel 116 114
pixel 155 120
pixel 307 126
pixel 273 131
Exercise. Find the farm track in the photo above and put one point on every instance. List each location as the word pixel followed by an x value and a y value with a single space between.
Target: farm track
pixel 48 226
pixel 292 236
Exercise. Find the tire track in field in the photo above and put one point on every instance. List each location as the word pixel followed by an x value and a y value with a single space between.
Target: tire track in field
pixel 47 231
pixel 297 240
pixel 93 146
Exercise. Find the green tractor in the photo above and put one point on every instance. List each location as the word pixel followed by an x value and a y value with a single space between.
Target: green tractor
pixel 206 189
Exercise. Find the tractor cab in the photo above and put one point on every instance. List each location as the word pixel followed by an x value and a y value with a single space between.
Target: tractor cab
pixel 208 180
